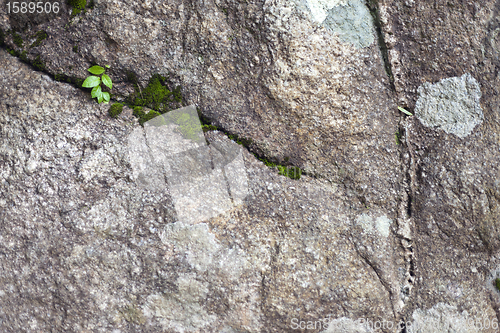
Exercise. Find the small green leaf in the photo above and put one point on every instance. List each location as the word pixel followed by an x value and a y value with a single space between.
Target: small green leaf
pixel 96 70
pixel 91 82
pixel 404 111
pixel 96 91
pixel 107 66
pixel 100 98
pixel 107 81
pixel 106 96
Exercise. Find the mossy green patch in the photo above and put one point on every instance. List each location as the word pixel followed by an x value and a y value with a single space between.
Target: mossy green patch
pixel 397 136
pixel 240 141
pixel 290 172
pixel 143 117
pixel 23 56
pixel 138 111
pixel 13 52
pixel 75 48
pixel 156 95
pixel 40 36
pixel 207 128
pixel 77 6
pixel 497 284
pixel 17 39
pixel 148 116
pixel 38 63
pixel 115 110
pixel 189 126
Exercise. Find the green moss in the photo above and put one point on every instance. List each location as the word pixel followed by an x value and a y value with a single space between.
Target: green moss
pixel 23 56
pixel 292 172
pixel 13 52
pixel 144 117
pixel 188 126
pixel 397 136
pixel 177 94
pixel 77 6
pixel 38 63
pixel 75 48
pixel 497 284
pixel 115 110
pixel 240 141
pixel 138 111
pixel 148 116
pixel 207 128
pixel 40 36
pixel 17 39
pixel 155 95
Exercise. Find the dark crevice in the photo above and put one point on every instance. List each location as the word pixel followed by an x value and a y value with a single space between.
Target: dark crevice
pixel 375 12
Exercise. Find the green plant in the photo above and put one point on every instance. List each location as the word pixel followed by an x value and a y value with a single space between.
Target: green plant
pixel 497 284
pixel 404 111
pixel 115 110
pixel 94 82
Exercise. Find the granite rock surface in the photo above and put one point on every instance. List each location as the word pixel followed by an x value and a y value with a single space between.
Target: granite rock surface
pixel 106 227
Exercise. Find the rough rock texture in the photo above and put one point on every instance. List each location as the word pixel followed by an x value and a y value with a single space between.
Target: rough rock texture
pixel 396 219
pixel 85 246
pixel 454 177
pixel 307 86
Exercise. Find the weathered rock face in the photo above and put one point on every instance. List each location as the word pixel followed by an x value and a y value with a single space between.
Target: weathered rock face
pixel 306 85
pixel 98 250
pixel 448 72
pixel 100 233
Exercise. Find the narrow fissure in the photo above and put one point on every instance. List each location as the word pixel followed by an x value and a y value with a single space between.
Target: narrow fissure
pixel 375 12
pixel 406 208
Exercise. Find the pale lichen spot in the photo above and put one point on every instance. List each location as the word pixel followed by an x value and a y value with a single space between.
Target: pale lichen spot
pixel 380 225
pixel 452 104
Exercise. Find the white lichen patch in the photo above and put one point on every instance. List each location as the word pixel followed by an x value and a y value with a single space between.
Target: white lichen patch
pixel 319 8
pixel 441 318
pixel 452 104
pixel 383 224
pixel 380 225
pixel 352 22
